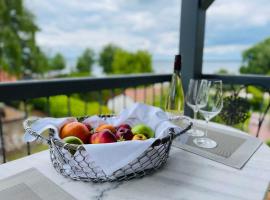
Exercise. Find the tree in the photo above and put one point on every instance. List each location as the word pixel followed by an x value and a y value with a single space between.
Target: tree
pixel 257 59
pixel 57 62
pixel 144 59
pixel 121 62
pixel 85 61
pixel 125 62
pixel 18 49
pixel 106 57
pixel 40 63
pixel 222 71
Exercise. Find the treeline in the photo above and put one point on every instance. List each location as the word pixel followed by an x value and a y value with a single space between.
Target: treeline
pixel 20 55
pixel 113 60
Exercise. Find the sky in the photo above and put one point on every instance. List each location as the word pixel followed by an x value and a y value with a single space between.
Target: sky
pixel 235 25
pixel 71 26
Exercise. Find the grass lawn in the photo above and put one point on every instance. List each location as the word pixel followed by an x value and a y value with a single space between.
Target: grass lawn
pixel 13 155
pixel 59 106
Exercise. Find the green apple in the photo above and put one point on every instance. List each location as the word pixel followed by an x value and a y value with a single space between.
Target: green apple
pixel 143 129
pixel 72 140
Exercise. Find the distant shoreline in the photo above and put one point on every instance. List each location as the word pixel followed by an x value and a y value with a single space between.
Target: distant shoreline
pixel 210 66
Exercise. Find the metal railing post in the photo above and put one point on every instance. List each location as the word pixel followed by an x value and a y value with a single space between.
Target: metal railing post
pixel 25 117
pixel 2 141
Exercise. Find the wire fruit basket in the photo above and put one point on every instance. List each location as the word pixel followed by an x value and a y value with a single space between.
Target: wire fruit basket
pixel 74 162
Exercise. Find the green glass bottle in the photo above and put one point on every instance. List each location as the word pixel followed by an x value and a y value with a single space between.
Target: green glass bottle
pixel 175 99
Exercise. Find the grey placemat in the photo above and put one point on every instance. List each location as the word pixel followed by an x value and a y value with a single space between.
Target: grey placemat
pixel 226 144
pixel 20 191
pixel 31 185
pixel 233 149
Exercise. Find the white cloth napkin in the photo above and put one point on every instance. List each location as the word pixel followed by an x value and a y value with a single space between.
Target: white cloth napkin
pixel 113 156
pixel 43 124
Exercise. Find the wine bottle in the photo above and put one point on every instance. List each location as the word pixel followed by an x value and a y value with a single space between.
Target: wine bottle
pixel 175 99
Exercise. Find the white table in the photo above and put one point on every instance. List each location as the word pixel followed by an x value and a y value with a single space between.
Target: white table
pixel 185 176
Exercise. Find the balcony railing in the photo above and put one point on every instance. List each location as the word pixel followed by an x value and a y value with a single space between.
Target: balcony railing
pixel 147 88
pixel 144 88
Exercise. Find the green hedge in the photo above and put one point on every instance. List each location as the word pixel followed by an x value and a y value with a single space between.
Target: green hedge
pixel 268 142
pixel 256 101
pixel 59 108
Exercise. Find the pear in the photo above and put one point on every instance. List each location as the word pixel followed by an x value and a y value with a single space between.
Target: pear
pixel 139 137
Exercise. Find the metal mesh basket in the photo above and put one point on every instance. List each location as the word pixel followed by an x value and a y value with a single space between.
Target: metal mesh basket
pixel 78 166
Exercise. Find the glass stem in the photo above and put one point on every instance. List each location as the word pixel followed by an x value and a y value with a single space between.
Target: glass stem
pixel 194 120
pixel 206 128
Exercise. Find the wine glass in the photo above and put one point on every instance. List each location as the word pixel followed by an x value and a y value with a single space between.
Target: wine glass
pixel 213 94
pixel 195 101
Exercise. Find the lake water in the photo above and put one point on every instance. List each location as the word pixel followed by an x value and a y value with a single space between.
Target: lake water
pixel 166 66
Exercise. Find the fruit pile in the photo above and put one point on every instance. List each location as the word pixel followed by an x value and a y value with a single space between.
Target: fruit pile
pixel 80 133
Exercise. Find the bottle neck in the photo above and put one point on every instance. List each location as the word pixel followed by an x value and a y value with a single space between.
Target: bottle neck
pixel 177 71
pixel 177 63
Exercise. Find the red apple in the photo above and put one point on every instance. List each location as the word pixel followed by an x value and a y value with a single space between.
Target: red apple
pixel 127 126
pixel 88 126
pixel 104 127
pixel 104 136
pixel 90 139
pixel 124 134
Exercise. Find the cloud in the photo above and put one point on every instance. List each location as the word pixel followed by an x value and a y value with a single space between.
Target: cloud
pixel 92 38
pixel 71 26
pixel 235 25
pixel 235 13
pixel 132 25
pixel 141 20
pixel 96 39
pixel 167 43
pixel 225 49
pixel 85 5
